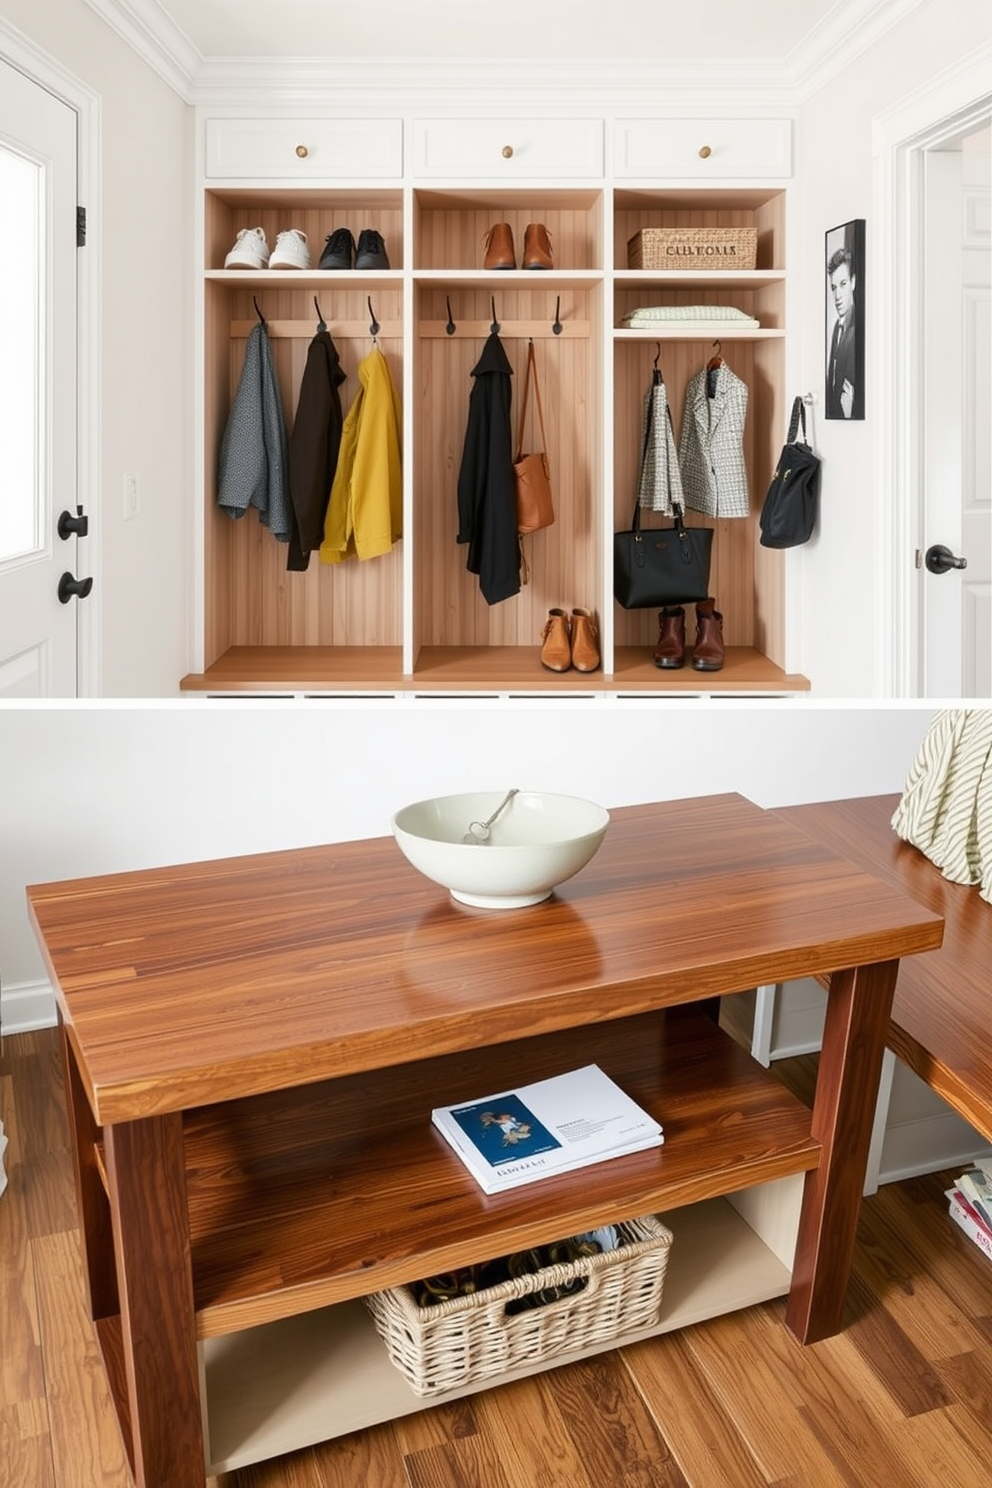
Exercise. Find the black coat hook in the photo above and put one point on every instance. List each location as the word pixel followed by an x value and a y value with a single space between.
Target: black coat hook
pixel 258 312
pixel 657 355
pixel 494 328
pixel 374 327
pixel 556 324
pixel 450 327
pixel 321 326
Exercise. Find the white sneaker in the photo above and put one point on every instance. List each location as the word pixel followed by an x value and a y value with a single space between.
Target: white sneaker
pixel 291 251
pixel 250 251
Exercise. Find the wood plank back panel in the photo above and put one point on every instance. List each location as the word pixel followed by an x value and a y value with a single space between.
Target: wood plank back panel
pixel 343 604
pixel 563 560
pixel 207 981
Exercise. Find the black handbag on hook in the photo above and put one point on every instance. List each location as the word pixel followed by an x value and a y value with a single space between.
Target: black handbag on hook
pixel 658 566
pixel 788 515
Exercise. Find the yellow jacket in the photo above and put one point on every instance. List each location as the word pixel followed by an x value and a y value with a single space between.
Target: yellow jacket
pixel 365 511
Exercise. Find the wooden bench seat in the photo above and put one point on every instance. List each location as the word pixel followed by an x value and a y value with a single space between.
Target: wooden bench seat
pixel 941 1024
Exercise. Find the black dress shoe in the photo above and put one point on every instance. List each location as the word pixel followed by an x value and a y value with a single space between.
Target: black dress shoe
pixel 339 250
pixel 371 250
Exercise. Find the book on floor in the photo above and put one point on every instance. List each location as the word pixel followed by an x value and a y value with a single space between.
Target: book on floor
pixel 976 1185
pixel 552 1126
pixel 966 1219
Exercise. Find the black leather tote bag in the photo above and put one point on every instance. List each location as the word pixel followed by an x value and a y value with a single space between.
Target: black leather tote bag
pixel 657 566
pixel 789 513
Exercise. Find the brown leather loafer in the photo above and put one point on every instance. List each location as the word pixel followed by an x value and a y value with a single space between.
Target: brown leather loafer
pixel 670 650
pixel 537 247
pixel 585 641
pixel 556 653
pixel 499 247
pixel 707 653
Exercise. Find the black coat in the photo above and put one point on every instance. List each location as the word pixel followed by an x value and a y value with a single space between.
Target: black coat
pixel 487 497
pixel 313 448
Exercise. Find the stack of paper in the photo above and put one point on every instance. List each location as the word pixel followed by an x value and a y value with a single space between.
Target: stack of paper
pixel 971 1205
pixel 553 1126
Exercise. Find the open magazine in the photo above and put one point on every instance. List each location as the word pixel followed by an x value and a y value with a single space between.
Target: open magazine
pixel 553 1126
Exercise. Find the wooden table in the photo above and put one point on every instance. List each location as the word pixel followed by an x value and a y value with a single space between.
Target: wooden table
pixel 253 1047
pixel 942 1011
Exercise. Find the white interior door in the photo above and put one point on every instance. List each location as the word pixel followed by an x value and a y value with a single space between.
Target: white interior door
pixel 38 473
pixel 956 542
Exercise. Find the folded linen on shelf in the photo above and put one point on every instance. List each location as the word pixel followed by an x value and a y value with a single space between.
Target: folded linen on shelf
pixel 647 316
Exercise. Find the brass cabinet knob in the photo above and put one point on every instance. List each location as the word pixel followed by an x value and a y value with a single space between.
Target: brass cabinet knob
pixel 302 151
pixel 705 152
pixel 507 151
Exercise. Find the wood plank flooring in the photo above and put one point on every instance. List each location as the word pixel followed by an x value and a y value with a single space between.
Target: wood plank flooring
pixel 902 1398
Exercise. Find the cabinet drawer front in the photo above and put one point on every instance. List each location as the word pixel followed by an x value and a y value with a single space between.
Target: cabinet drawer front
pixel 300 149
pixel 703 148
pixel 509 150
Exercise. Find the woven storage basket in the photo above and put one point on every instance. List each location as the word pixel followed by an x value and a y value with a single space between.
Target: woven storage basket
pixel 693 248
pixel 454 1343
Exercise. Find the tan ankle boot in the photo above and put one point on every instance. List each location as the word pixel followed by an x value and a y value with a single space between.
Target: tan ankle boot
pixel 707 653
pixel 537 247
pixel 556 653
pixel 585 641
pixel 499 247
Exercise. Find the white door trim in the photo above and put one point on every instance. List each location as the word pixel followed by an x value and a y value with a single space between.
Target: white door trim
pixel 943 107
pixel 21 52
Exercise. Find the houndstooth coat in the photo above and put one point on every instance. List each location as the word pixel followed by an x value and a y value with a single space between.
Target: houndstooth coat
pixel 711 445
pixel 659 485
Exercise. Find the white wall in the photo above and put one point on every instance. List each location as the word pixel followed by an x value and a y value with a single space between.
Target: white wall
pixel 99 789
pixel 834 185
pixel 141 227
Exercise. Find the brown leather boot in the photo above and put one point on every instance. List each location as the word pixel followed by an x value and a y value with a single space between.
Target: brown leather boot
pixel 585 641
pixel 499 247
pixel 707 653
pixel 556 653
pixel 670 650
pixel 537 247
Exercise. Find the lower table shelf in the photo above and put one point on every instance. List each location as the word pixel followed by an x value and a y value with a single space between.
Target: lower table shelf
pixel 292 1383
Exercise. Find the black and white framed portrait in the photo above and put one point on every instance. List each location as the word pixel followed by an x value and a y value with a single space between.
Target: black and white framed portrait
pixel 845 340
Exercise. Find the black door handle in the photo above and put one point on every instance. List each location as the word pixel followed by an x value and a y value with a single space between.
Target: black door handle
pixel 940 560
pixel 69 586
pixel 72 526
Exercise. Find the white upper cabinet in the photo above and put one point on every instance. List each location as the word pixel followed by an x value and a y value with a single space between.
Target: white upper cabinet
pixel 702 149
pixel 290 150
pixel 507 150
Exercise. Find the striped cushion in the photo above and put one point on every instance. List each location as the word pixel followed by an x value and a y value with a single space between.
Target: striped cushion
pixel 946 806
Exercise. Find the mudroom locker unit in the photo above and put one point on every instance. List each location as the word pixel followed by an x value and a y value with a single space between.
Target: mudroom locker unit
pixel 413 620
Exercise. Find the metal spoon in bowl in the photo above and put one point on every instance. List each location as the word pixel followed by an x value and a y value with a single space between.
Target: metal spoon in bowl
pixel 478 832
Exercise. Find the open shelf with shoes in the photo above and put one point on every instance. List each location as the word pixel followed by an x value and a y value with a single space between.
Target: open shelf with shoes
pixel 747 581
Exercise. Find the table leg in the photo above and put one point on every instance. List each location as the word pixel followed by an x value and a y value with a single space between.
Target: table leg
pixel 859 1002
pixel 91 1197
pixel 147 1179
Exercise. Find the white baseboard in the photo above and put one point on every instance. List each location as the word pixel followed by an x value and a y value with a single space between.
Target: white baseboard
pixel 25 1006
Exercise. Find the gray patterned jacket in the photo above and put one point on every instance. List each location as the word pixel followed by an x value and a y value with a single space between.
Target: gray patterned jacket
pixel 253 465
pixel 711 445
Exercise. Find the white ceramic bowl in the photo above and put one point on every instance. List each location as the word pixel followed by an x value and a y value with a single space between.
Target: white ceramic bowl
pixel 536 843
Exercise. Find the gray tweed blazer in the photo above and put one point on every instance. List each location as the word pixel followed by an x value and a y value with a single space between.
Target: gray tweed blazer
pixel 711 445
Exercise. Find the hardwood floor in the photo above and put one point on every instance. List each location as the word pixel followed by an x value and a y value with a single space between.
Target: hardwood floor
pixel 901 1398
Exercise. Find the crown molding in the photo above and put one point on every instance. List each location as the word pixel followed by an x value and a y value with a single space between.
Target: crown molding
pixel 846 31
pixel 451 84
pixel 539 84
pixel 155 37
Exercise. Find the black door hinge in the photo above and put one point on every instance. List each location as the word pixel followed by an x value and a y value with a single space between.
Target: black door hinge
pixel 80 227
